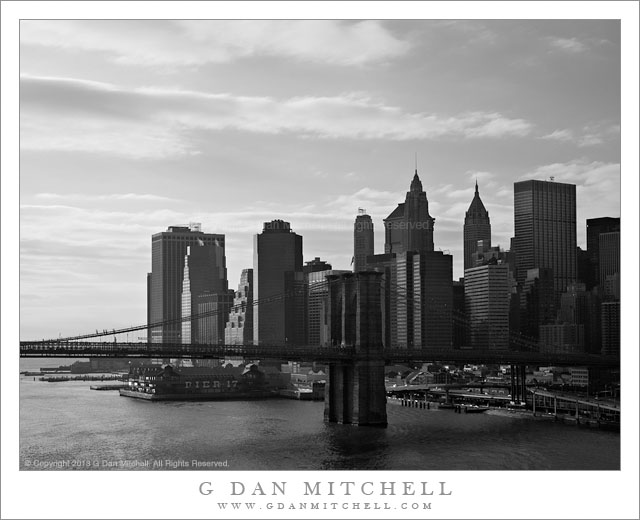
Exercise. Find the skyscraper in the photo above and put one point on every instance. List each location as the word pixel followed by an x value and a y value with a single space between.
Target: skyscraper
pixel 278 278
pixel 362 240
pixel 610 326
pixel 538 301
pixel 545 230
pixel 595 227
pixel 561 338
pixel 409 227
pixel 204 290
pixel 433 300
pixel 609 261
pixel 239 327
pixel 424 300
pixel 168 251
pixel 487 302
pixel 476 227
pixel 580 307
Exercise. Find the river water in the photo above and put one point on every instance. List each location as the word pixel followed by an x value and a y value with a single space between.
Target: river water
pixel 68 426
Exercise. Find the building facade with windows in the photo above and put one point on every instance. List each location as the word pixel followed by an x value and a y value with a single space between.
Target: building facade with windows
pixel 239 326
pixel 487 292
pixel 165 283
pixel 545 230
pixel 362 241
pixel 278 286
pixel 205 296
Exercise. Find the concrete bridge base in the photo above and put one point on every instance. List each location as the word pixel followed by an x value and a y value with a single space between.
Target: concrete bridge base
pixel 356 394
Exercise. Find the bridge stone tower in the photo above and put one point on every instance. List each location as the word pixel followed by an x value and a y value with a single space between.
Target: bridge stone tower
pixel 356 392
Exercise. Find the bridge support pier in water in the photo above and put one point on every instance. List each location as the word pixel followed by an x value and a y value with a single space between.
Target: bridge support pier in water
pixel 356 393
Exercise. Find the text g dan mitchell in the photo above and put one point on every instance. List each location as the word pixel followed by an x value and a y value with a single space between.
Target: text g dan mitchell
pixel 344 488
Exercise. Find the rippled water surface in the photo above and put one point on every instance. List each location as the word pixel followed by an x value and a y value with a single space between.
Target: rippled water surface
pixel 68 421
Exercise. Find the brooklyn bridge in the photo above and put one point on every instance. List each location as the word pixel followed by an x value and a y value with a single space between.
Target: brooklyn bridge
pixel 355 354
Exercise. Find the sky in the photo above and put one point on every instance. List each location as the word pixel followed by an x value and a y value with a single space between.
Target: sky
pixel 128 127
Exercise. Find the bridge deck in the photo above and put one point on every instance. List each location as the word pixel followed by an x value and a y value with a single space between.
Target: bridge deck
pixel 39 349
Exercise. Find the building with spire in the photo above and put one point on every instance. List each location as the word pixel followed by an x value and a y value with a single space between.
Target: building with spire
pixel 418 281
pixel 476 227
pixel 409 227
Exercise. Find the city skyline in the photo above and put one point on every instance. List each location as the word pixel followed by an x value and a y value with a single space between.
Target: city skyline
pixel 220 123
pixel 114 131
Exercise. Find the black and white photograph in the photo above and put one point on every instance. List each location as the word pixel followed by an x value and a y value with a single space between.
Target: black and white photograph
pixel 361 263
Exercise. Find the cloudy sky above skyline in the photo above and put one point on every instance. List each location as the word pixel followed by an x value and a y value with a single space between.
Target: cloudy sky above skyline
pixel 128 127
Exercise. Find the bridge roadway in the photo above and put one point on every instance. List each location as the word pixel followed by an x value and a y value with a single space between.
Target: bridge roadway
pixel 78 349
pixel 444 386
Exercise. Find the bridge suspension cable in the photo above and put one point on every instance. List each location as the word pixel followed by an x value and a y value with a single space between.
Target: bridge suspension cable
pixel 400 293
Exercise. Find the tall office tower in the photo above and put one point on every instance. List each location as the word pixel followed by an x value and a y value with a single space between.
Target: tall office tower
pixel 433 300
pixel 545 230
pixel 562 338
pixel 168 251
pixel 315 265
pixel 584 265
pixel 609 263
pixel 409 227
pixel 278 286
pixel 317 306
pixel 460 323
pixel 476 227
pixel 580 307
pixel 538 301
pixel 239 327
pixel 204 290
pixel 487 292
pixel 362 240
pixel 595 227
pixel 404 301
pixel 424 300
pixel 148 307
pixel 386 264
pixel 610 313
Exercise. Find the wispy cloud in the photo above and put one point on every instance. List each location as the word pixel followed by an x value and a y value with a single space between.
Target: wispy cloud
pixel 579 171
pixel 483 178
pixel 106 197
pixel 589 135
pixel 474 32
pixel 567 45
pixel 197 42
pixel 564 135
pixel 69 114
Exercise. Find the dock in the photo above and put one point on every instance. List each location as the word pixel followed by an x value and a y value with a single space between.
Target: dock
pixel 107 387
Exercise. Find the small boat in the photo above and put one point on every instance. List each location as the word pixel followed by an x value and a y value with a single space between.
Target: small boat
pixel 473 408
pixel 446 406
